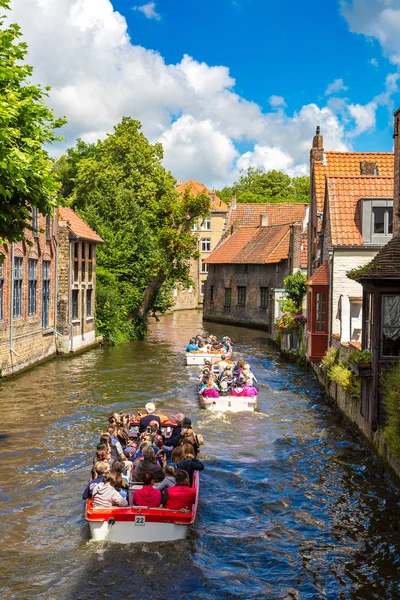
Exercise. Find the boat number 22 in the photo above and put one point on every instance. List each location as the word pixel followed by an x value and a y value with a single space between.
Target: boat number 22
pixel 139 520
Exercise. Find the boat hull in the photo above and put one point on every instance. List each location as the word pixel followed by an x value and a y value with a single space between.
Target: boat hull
pixel 199 358
pixel 129 532
pixel 229 403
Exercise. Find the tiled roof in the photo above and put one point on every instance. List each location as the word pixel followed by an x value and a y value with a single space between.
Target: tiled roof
pixel 348 163
pixel 197 188
pixel 77 225
pixel 321 276
pixel 278 214
pixel 344 194
pixel 386 264
pixel 254 245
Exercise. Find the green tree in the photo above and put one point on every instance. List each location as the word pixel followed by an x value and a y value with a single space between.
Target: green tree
pixel 121 189
pixel 256 186
pixel 27 178
pixel 295 289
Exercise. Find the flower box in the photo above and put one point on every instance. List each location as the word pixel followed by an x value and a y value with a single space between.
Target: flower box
pixel 362 369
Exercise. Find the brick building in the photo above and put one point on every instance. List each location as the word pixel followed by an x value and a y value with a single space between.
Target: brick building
pixel 32 277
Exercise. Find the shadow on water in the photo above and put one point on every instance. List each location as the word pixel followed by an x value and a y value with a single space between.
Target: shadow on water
pixel 292 503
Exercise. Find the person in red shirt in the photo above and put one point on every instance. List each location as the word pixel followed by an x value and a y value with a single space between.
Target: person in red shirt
pixel 148 495
pixel 180 495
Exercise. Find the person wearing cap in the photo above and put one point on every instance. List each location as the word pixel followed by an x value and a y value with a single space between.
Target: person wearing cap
pixel 145 421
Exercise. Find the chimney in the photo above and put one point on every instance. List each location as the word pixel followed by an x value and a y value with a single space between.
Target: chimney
pixel 368 167
pixel 317 150
pixel 396 196
pixel 263 220
pixel 232 202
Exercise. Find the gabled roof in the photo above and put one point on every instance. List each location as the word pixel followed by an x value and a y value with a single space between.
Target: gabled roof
pixel 278 214
pixel 321 276
pixel 77 226
pixel 343 195
pixel 385 265
pixel 254 245
pixel 197 188
pixel 348 163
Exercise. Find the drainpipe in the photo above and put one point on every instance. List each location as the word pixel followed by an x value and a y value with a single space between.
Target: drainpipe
pixel 331 265
pixel 11 303
pixel 71 327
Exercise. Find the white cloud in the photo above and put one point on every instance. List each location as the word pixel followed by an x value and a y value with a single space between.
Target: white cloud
pixel 374 62
pixel 82 49
pixel 277 101
pixel 149 11
pixel 335 87
pixel 364 116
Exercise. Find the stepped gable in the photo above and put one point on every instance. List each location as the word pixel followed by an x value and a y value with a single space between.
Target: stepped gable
pixel 77 226
pixel 254 245
pixel 197 188
pixel 385 265
pixel 343 196
pixel 348 163
pixel 321 276
pixel 278 214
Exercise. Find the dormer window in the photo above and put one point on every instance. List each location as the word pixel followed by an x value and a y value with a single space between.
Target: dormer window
pixel 377 220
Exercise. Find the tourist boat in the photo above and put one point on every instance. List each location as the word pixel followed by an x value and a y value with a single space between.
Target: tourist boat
pixel 131 524
pixel 229 403
pixel 199 358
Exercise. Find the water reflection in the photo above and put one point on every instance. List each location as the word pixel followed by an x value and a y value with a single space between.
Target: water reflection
pixel 292 504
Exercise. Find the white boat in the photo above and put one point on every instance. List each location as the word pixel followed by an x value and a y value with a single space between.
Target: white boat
pixel 229 403
pixel 130 524
pixel 199 358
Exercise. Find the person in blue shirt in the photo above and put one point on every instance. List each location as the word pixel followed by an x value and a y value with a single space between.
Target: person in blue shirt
pixel 192 346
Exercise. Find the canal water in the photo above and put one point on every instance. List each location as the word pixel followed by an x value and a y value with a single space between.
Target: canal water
pixel 293 505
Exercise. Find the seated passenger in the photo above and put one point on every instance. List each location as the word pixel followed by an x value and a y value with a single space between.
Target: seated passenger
pixel 180 495
pixel 105 495
pixel 223 389
pixel 169 480
pixel 190 463
pixel 121 481
pixel 173 439
pixel 222 364
pixel 227 376
pixel 238 390
pixel 204 382
pixel 101 468
pixel 209 391
pixel 227 344
pixel 145 421
pixel 157 437
pixel 247 368
pixel 147 463
pixel 147 496
pixel 132 448
pixel 192 346
pixel 249 389
pixel 238 368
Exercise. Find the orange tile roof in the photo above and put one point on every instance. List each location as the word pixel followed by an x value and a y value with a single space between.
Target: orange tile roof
pixel 197 188
pixel 77 225
pixel 344 194
pixel 348 163
pixel 278 214
pixel 321 276
pixel 253 245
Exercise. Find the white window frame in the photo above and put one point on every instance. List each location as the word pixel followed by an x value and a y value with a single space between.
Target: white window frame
pixel 206 245
pixel 206 224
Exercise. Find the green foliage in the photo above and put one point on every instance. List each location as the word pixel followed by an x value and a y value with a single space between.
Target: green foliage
pixel 123 192
pixel 295 289
pixel 330 359
pixel 288 306
pixel 358 272
pixel 341 375
pixel 256 186
pixel 390 385
pixel 27 178
pixel 361 356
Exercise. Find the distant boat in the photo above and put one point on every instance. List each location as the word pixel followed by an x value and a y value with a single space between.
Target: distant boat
pixel 229 403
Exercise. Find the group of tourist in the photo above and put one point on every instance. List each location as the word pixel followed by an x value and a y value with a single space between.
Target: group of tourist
pixel 210 344
pixel 164 466
pixel 226 378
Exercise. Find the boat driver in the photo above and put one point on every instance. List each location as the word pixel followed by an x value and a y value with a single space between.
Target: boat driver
pixel 145 421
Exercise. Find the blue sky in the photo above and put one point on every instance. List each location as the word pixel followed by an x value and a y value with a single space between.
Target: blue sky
pixel 222 84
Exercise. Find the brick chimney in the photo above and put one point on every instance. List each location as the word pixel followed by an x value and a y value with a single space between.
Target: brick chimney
pixel 396 196
pixel 316 156
pixel 232 202
pixel 368 167
pixel 263 220
pixel 317 150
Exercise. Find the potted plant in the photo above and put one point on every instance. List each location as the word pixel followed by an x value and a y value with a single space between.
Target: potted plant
pixel 360 363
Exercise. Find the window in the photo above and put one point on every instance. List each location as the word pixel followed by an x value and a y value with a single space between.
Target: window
pixel 206 224
pixel 390 343
pixel 32 286
pixel 35 225
pixel 382 220
pixel 17 292
pixel 206 245
pixel 89 303
pixel 195 226
pixel 48 227
pixel 228 297
pixel 1 289
pixel 211 293
pixel 204 267
pixel 90 262
pixel 241 296
pixel 320 314
pixel 202 286
pixel 75 304
pixel 83 262
pixel 263 297
pixel 46 293
pixel 76 262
